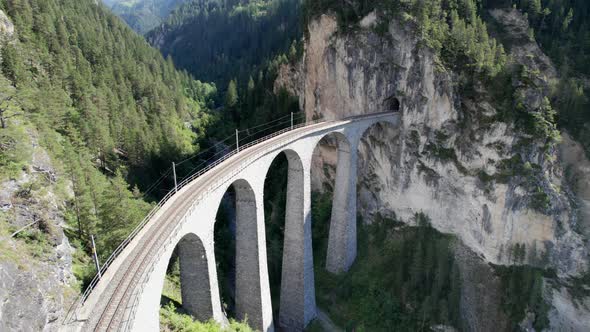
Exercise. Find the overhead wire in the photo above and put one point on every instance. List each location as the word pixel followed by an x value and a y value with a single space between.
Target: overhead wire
pixel 264 124
pixel 158 181
pixel 225 150
pixel 206 150
pixel 265 129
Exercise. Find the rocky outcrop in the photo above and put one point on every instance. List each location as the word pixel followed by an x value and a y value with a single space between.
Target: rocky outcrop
pixel 577 171
pixel 568 313
pixel 481 293
pixel 6 28
pixel 448 159
pixel 35 264
pixel 447 156
pixel 36 277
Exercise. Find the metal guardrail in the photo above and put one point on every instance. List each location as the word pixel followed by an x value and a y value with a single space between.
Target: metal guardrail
pixel 84 296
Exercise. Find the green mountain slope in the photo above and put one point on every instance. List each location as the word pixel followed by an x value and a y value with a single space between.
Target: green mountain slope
pixel 108 108
pixel 142 15
pixel 219 40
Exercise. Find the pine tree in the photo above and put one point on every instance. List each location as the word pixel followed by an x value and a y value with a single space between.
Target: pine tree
pixel 119 212
pixel 293 53
pixel 232 99
pixel 8 102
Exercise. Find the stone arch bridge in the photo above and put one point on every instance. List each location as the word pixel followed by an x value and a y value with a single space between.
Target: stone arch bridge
pixel 127 296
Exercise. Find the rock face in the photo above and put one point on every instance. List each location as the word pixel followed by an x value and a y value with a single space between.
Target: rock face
pixel 447 157
pixel 433 164
pixel 36 264
pixel 480 304
pixel 35 269
pixel 578 175
pixel 6 27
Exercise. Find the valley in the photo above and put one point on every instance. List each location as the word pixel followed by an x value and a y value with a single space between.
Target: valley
pixel 468 212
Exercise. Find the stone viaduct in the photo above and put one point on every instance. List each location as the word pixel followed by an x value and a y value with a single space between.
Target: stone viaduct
pixel 127 297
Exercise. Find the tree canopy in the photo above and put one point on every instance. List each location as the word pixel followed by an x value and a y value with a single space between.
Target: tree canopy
pixel 219 40
pixel 111 111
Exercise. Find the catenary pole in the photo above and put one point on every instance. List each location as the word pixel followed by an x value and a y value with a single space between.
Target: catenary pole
pixel 95 255
pixel 237 141
pixel 175 183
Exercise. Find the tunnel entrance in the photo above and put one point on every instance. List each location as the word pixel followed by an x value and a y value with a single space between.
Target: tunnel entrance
pixel 392 104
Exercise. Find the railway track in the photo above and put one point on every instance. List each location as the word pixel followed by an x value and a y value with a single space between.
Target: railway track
pixel 135 264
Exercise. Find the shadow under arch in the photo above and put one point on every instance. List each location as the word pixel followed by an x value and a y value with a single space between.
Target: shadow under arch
pixel 239 209
pixel 378 126
pixel 195 287
pixel 333 146
pixel 289 250
pixel 341 249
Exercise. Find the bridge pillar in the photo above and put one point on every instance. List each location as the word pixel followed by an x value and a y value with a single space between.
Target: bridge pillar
pixel 297 302
pixel 252 286
pixel 194 278
pixel 342 237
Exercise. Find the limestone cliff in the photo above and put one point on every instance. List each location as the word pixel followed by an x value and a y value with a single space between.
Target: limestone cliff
pixel 449 156
pixel 36 279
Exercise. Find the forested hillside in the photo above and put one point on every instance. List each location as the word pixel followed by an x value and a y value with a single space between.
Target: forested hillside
pixel 108 108
pixel 562 28
pixel 142 15
pixel 217 40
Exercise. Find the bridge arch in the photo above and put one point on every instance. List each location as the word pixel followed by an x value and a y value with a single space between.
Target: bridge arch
pixel 342 233
pixel 297 291
pixel 246 258
pixel 380 124
pixel 194 277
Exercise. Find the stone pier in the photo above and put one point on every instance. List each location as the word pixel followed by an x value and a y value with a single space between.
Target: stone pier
pixel 342 238
pixel 252 288
pixel 194 278
pixel 297 302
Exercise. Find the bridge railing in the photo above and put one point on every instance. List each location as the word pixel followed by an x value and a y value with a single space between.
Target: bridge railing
pixel 106 264
pixel 92 285
pixel 178 225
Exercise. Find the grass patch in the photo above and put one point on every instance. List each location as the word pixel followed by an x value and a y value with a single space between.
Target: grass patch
pixel 315 326
pixel 172 316
pixel 173 320
pixel 171 288
pixel 422 289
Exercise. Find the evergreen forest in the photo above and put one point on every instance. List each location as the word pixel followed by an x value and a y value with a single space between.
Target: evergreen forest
pixel 115 100
pixel 105 104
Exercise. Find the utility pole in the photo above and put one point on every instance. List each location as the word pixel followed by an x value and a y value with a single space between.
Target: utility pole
pixel 174 172
pixel 94 254
pixel 291 120
pixel 237 141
